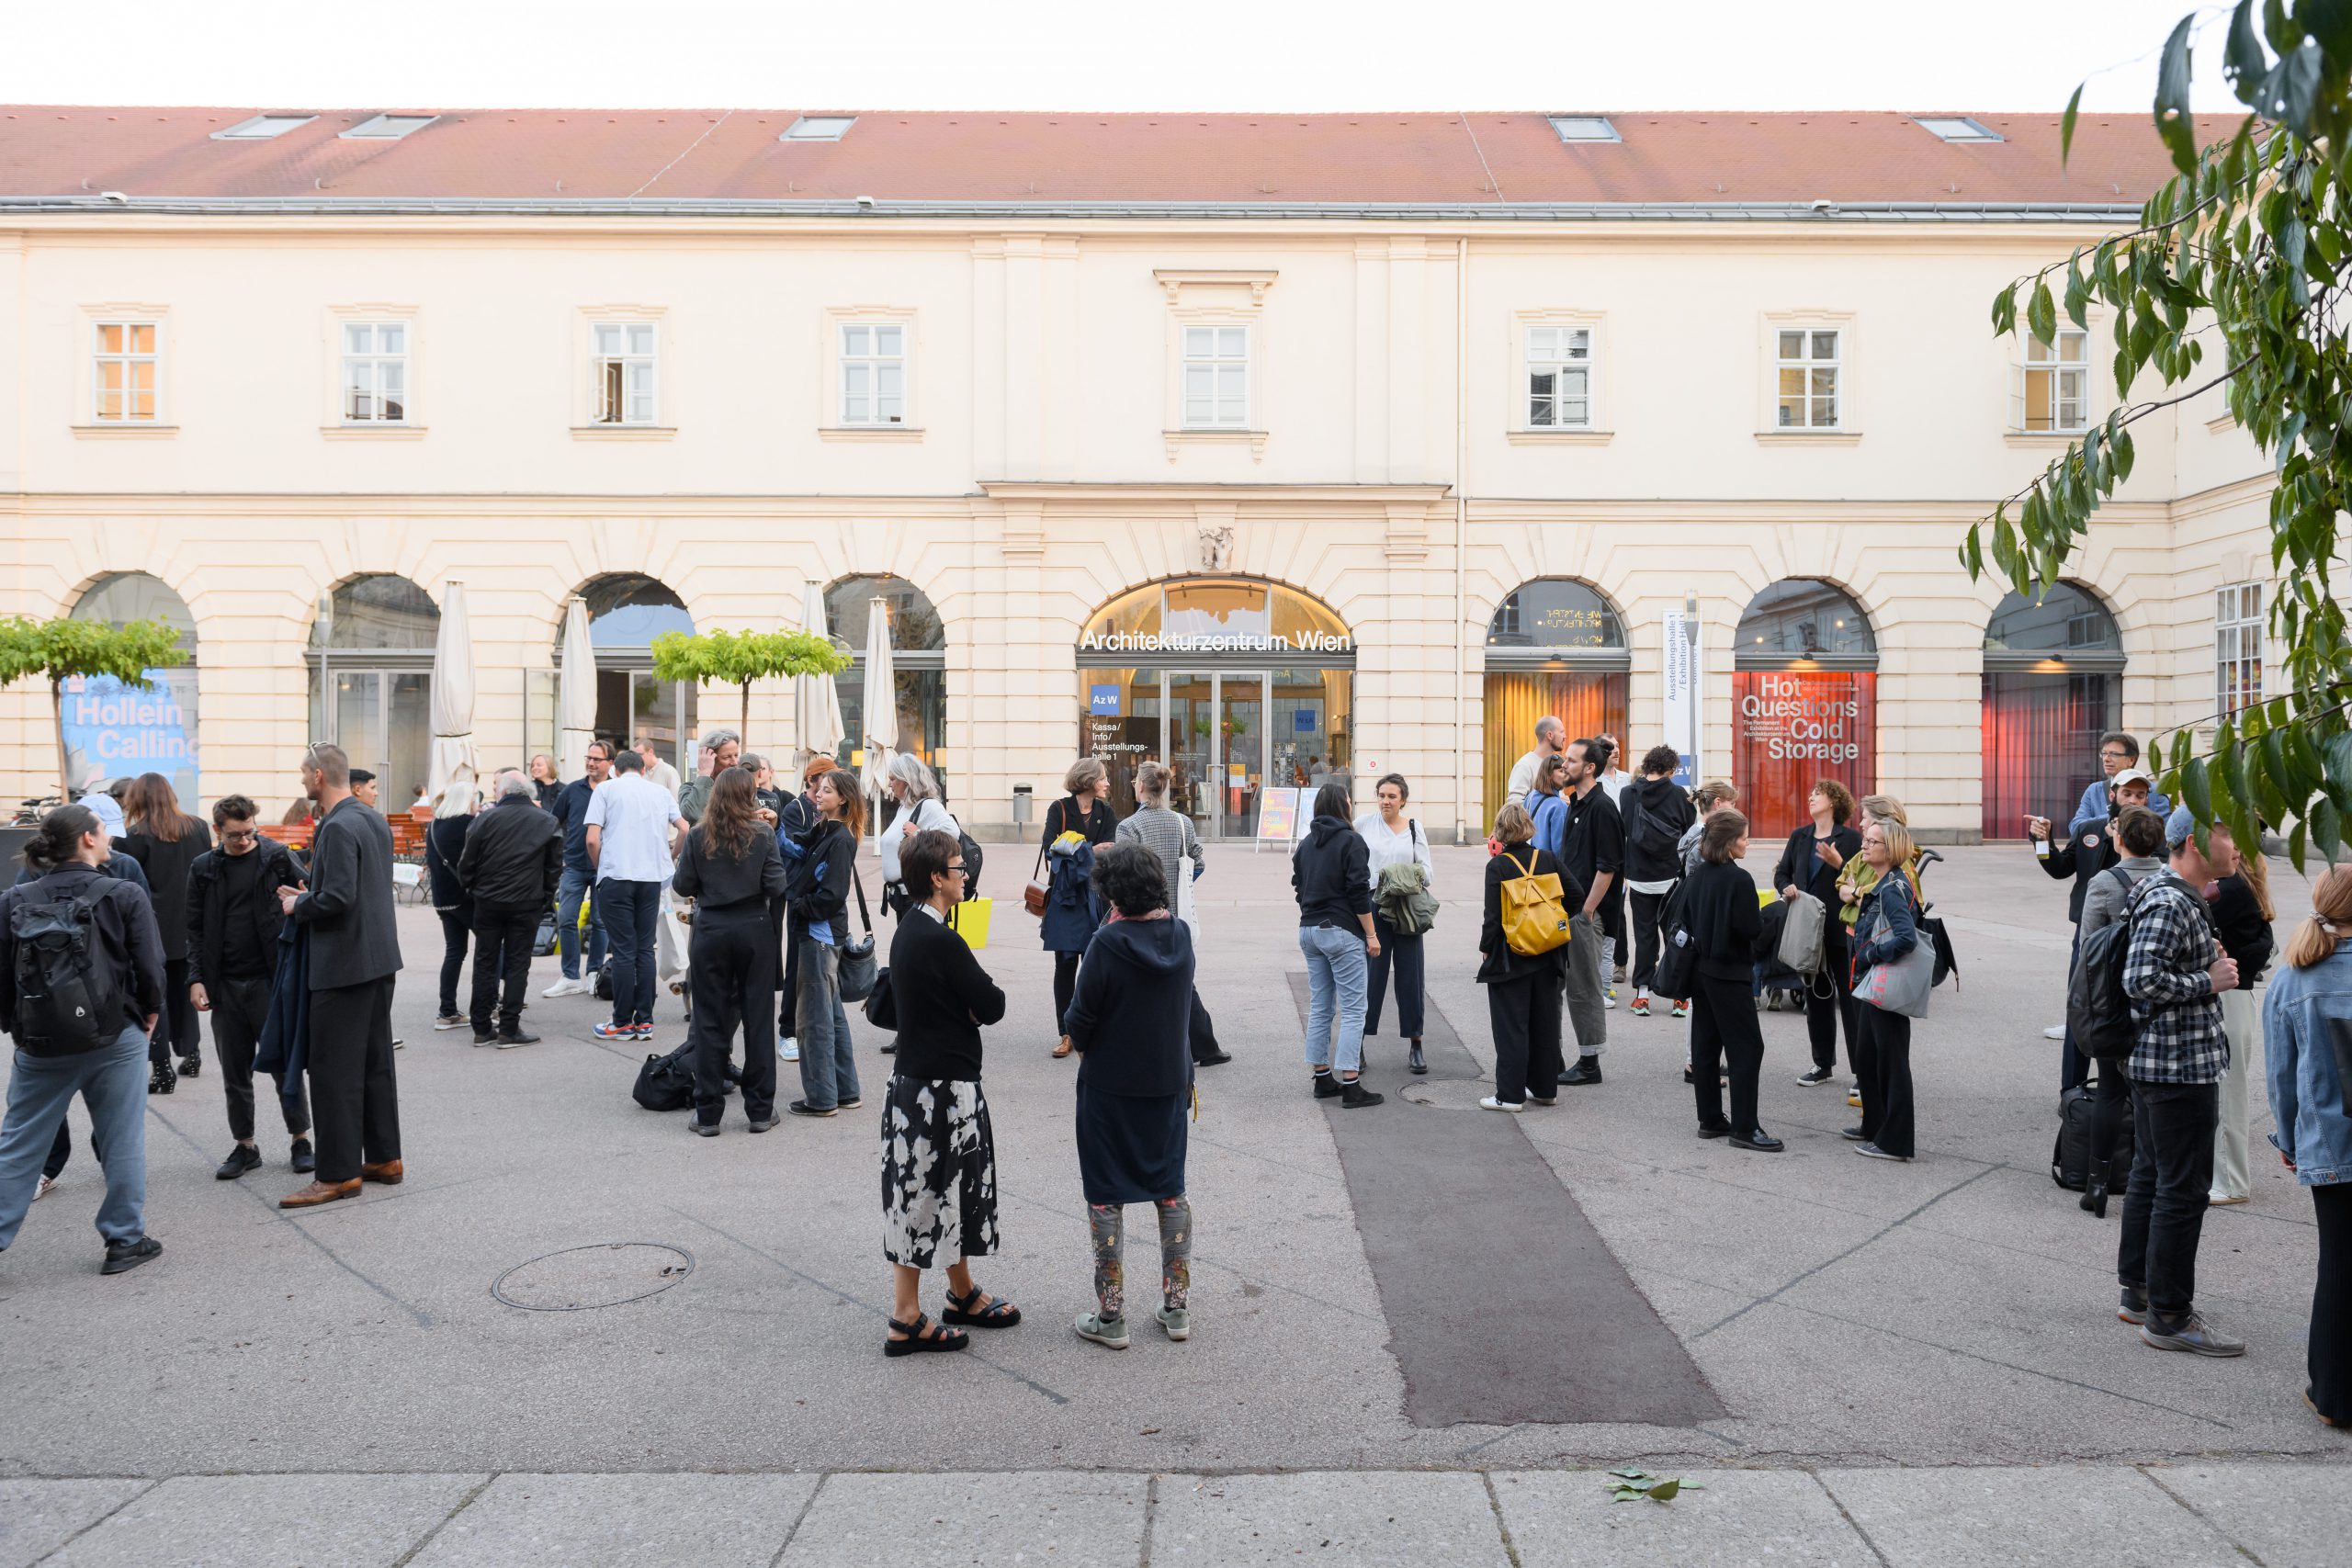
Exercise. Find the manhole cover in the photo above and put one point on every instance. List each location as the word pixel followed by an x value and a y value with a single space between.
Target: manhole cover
pixel 605 1275
pixel 1448 1094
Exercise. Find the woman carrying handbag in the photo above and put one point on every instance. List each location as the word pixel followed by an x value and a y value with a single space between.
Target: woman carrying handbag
pixel 1892 972
pixel 820 915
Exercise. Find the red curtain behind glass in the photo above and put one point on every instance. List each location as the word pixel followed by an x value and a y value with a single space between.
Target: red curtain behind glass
pixel 1821 723
pixel 2041 745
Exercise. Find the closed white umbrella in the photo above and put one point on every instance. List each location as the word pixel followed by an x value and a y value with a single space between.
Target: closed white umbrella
pixel 816 701
pixel 880 718
pixel 452 781
pixel 576 690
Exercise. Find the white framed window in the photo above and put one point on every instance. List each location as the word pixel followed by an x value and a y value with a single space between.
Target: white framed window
pixel 1807 368
pixel 2053 384
pixel 375 372
pixel 262 127
pixel 1215 370
pixel 818 128
pixel 389 127
pixel 1584 128
pixel 1559 377
pixel 125 371
pixel 2237 648
pixel 626 357
pixel 872 373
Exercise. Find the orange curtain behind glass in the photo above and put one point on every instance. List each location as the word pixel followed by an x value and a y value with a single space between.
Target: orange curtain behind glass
pixel 1586 702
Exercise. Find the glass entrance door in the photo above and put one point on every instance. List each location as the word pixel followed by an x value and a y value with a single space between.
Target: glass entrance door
pixel 1241 726
pixel 1190 745
pixel 1225 736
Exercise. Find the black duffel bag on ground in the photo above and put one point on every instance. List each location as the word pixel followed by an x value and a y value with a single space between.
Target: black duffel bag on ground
pixel 667 1082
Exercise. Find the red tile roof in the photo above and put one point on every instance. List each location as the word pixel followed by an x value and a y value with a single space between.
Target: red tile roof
pixel 1275 160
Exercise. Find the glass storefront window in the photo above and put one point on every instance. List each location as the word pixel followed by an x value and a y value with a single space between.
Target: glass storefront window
pixel 1802 617
pixel 1225 736
pixel 379 613
pixel 918 661
pixel 371 646
pixel 117 731
pixel 2052 684
pixel 626 612
pixel 1555 611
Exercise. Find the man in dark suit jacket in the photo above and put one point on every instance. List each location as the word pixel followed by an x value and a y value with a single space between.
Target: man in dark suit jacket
pixel 2090 848
pixel 511 864
pixel 355 953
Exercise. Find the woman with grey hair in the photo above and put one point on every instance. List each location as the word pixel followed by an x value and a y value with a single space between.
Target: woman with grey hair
pixel 919 810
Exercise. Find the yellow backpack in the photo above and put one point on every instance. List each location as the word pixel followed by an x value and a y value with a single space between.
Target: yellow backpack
pixel 1534 917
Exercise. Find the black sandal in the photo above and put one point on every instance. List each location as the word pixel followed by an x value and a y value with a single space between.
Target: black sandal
pixel 1001 1314
pixel 916 1339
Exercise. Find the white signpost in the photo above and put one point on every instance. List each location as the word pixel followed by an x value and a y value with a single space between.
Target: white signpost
pixel 1684 678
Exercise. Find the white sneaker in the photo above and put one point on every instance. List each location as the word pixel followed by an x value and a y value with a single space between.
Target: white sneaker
pixel 1491 1103
pixel 791 1052
pixel 47 1185
pixel 565 988
pixel 2055 1032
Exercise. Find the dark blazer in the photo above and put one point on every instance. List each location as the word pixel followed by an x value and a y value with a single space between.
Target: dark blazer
pixel 166 866
pixel 718 882
pixel 209 914
pixel 1501 963
pixel 1131 1013
pixel 514 856
pixel 444 842
pixel 814 899
pixel 1824 884
pixel 1719 907
pixel 2082 856
pixel 354 938
pixel 1098 822
pixel 944 996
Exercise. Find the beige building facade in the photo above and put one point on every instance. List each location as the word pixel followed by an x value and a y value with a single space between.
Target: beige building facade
pixel 1272 494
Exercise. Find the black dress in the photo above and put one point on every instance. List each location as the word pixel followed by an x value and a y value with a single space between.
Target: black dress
pixel 1130 1019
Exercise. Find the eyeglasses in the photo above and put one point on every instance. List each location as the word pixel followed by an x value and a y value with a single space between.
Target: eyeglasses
pixel 957 867
pixel 244 838
pixel 2112 756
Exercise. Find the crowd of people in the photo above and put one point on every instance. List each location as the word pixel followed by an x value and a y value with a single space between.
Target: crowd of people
pixel 134 918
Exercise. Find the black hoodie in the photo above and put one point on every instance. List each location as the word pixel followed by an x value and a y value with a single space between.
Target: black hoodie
pixel 1131 1011
pixel 1669 812
pixel 1331 874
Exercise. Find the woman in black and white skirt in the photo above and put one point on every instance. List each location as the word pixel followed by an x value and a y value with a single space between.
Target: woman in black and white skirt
pixel 938 1150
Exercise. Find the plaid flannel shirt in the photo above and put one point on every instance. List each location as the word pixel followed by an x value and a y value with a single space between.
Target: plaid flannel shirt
pixel 2172 1004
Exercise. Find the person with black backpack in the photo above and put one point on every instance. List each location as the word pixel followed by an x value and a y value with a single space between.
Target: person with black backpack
pixel 81 988
pixel 2098 978
pixel 1656 813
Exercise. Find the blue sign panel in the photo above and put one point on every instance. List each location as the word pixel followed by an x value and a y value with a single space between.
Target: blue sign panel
pixel 1102 702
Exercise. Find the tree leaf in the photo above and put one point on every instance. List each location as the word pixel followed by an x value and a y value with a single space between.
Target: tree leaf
pixel 2173 121
pixel 1665 1491
pixel 2041 313
pixel 2066 120
pixel 2123 455
pixel 2195 790
pixel 2244 62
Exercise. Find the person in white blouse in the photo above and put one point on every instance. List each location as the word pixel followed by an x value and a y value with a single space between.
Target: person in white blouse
pixel 1396 839
pixel 919 810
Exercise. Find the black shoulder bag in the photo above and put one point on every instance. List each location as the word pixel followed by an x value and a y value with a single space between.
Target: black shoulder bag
pixel 858 969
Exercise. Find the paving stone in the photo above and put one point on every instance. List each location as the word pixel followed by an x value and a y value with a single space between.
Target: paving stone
pixel 1566 1519
pixel 624 1521
pixel 38 1517
pixel 982 1521
pixel 318 1521
pixel 2288 1516
pixel 1362 1518
pixel 2064 1516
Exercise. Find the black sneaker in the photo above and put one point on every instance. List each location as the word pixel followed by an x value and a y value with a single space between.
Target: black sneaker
pixel 760 1124
pixel 852 1104
pixel 2133 1308
pixel 1816 1077
pixel 1853 1135
pixel 509 1038
pixel 1213 1059
pixel 703 1129
pixel 124 1256
pixel 1326 1087
pixel 304 1159
pixel 1353 1095
pixel 802 1108
pixel 1586 1071
pixel 485 1037
pixel 191 1066
pixel 243 1157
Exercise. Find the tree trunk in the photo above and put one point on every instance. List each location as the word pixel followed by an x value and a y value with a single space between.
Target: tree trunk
pixel 744 725
pixel 65 767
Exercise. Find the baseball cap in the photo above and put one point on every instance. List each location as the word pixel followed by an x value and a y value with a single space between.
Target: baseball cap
pixel 2179 827
pixel 107 809
pixel 2132 775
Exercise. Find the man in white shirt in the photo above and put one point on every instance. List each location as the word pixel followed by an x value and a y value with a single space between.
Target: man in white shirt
pixel 634 832
pixel 657 772
pixel 1551 740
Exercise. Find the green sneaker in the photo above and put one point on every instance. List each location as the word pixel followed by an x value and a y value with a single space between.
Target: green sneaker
pixel 1111 1332
pixel 1176 1320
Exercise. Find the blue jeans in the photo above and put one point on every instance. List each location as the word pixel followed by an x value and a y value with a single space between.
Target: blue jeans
pixel 828 1065
pixel 629 911
pixel 1335 972
pixel 568 894
pixel 113 1081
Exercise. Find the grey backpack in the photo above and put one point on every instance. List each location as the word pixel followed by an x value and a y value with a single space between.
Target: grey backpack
pixel 1801 935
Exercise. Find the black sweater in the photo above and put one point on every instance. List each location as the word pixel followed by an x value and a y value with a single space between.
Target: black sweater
pixel 1724 919
pixel 1097 821
pixel 1668 811
pixel 1822 883
pixel 2246 935
pixel 729 887
pixel 1499 962
pixel 1132 1010
pixel 826 897
pixel 167 866
pixel 1331 875
pixel 944 996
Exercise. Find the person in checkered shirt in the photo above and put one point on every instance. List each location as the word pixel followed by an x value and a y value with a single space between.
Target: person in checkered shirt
pixel 2175 973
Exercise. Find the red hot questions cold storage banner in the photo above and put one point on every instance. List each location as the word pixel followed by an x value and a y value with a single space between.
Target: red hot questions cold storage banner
pixel 1790 729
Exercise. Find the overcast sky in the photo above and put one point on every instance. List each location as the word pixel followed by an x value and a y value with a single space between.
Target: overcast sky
pixel 1099 54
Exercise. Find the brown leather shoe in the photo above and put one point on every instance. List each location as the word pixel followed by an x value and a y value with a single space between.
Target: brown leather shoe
pixel 389 1173
pixel 319 1193
pixel 1064 1048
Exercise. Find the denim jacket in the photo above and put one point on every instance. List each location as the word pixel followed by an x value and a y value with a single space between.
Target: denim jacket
pixel 2307 1034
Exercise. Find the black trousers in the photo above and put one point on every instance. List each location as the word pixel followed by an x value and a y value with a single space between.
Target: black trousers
pixel 239 1005
pixel 502 938
pixel 2164 1207
pixel 1824 1016
pixel 1881 1050
pixel 2331 1343
pixel 2073 1066
pixel 1524 1015
pixel 353 1089
pixel 1202 1029
pixel 1725 1039
pixel 1647 908
pixel 731 972
pixel 786 1012
pixel 176 1030
pixel 1612 918
pixel 1065 984
pixel 1403 953
pixel 2110 1115
pixel 457 927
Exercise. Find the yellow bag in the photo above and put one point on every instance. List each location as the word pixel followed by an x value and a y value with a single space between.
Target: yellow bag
pixel 970 919
pixel 1534 917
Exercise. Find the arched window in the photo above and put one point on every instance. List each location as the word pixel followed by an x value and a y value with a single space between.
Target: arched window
pixel 1556 649
pixel 1804 700
pixel 918 664
pixel 113 731
pixel 2054 684
pixel 626 610
pixel 371 680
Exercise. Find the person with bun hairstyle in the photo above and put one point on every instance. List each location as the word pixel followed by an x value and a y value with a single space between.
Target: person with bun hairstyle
pixel 1721 912
pixel 2304 1018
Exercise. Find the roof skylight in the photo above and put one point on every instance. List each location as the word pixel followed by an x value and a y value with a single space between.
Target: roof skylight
pixel 1958 128
pixel 1584 128
pixel 262 127
pixel 818 128
pixel 391 127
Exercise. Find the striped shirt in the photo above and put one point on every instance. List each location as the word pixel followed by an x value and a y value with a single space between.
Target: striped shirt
pixel 1168 834
pixel 2172 1004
